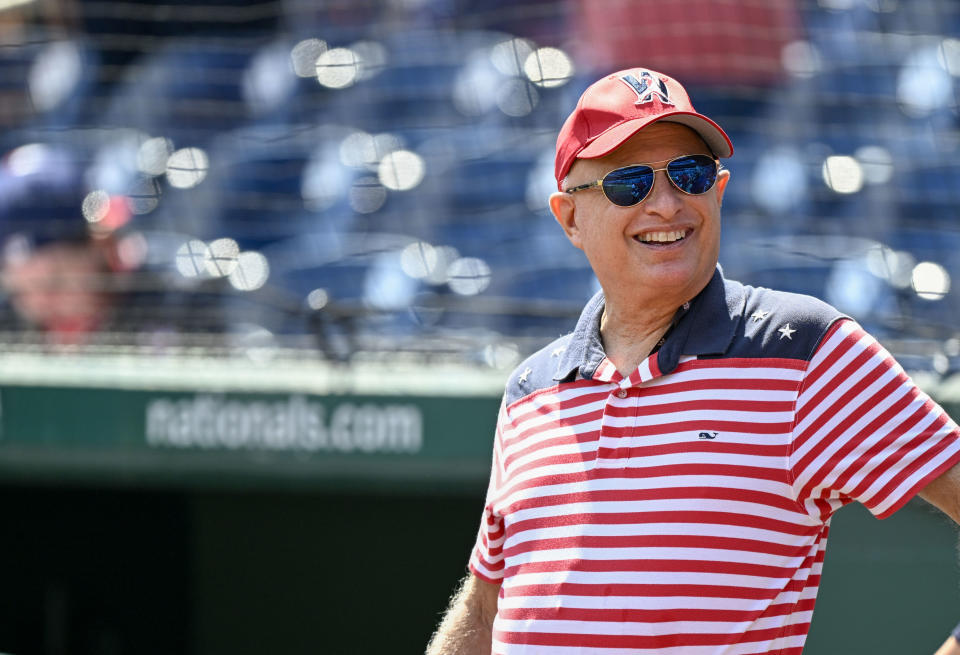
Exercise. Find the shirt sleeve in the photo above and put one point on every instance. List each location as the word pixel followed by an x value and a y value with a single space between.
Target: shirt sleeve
pixel 486 562
pixel 863 430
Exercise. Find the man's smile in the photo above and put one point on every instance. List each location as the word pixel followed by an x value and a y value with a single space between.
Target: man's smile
pixel 662 239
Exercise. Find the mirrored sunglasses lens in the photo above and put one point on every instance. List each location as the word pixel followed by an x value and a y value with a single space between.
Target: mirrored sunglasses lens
pixel 628 186
pixel 695 174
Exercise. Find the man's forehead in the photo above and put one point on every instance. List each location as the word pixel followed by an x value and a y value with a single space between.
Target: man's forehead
pixel 647 145
pixel 660 136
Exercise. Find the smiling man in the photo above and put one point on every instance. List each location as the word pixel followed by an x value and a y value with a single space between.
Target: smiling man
pixel 664 477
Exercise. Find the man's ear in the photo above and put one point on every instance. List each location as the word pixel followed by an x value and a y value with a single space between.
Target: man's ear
pixel 565 211
pixel 722 178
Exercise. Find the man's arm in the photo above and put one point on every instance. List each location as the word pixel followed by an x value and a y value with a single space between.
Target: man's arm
pixel 467 626
pixel 944 493
pixel 950 647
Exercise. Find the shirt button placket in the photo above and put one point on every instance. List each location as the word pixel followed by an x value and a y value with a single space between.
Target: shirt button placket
pixel 616 449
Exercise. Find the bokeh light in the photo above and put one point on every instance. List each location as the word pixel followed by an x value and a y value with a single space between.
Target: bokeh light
pixel 475 87
pixel 517 97
pixel 318 299
pixel 220 257
pixel 548 67
pixel 779 180
pixel 191 259
pixel 268 81
pixel 54 74
pixel 401 170
pixel 362 150
pixel 251 271
pixel 468 276
pixel 930 280
pixel 153 155
pixel 324 181
pixel 842 174
pixel 894 266
pixel 28 159
pixel 385 286
pixel 852 288
pixel 801 59
pixel 187 167
pixel 510 56
pixel 115 162
pixel 304 56
pixel 923 85
pixel 372 56
pixel 338 68
pixel 96 206
pixel 143 195
pixel 419 259
pixel 440 261
pixel 367 195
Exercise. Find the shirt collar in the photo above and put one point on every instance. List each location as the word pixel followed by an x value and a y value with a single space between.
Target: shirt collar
pixel 706 327
pixel 584 350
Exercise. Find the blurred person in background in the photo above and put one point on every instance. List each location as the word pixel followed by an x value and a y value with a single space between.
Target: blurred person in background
pixel 683 36
pixel 60 287
pixel 57 268
pixel 664 477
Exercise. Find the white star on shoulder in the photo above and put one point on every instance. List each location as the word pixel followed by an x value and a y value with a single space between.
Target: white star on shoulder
pixel 558 352
pixel 786 331
pixel 759 315
pixel 523 376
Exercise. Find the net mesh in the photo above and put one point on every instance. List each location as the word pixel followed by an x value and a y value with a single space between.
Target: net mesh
pixel 364 176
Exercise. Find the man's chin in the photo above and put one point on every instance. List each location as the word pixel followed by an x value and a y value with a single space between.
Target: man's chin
pixel 684 282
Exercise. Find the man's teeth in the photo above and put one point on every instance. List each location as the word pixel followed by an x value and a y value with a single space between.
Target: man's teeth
pixel 663 237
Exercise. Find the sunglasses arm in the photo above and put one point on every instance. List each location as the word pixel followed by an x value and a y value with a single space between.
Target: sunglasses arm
pixel 581 187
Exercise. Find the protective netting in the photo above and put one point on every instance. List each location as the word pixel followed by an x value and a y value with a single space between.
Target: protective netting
pixel 357 176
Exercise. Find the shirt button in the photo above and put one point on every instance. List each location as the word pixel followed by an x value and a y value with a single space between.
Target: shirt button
pixel 621 393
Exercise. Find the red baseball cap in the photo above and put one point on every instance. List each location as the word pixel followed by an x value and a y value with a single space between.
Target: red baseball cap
pixel 618 106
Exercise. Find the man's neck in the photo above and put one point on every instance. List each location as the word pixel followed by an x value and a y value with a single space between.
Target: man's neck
pixel 629 337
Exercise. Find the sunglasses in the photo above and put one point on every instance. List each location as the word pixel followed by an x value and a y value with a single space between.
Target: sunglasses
pixel 630 185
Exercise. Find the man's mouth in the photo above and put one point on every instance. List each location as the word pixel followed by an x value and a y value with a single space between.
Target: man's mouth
pixel 662 238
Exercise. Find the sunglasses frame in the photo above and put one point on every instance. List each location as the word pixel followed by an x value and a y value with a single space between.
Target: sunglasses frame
pixel 599 183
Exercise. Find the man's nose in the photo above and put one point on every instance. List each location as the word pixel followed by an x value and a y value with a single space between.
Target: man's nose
pixel 664 199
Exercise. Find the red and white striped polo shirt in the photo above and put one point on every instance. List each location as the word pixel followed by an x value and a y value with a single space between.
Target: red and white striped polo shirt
pixel 685 509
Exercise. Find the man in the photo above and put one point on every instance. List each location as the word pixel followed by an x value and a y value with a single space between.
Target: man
pixel 664 477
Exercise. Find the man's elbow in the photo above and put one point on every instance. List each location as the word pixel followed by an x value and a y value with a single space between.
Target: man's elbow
pixel 944 493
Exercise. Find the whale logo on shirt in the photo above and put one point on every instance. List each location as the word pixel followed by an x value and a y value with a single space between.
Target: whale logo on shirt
pixel 709 435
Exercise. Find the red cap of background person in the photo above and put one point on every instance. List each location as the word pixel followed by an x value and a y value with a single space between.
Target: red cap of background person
pixel 618 106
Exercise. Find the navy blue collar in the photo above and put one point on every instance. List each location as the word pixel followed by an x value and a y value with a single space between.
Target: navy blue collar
pixel 706 326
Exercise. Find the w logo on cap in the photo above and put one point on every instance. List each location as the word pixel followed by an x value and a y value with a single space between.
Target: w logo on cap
pixel 647 87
